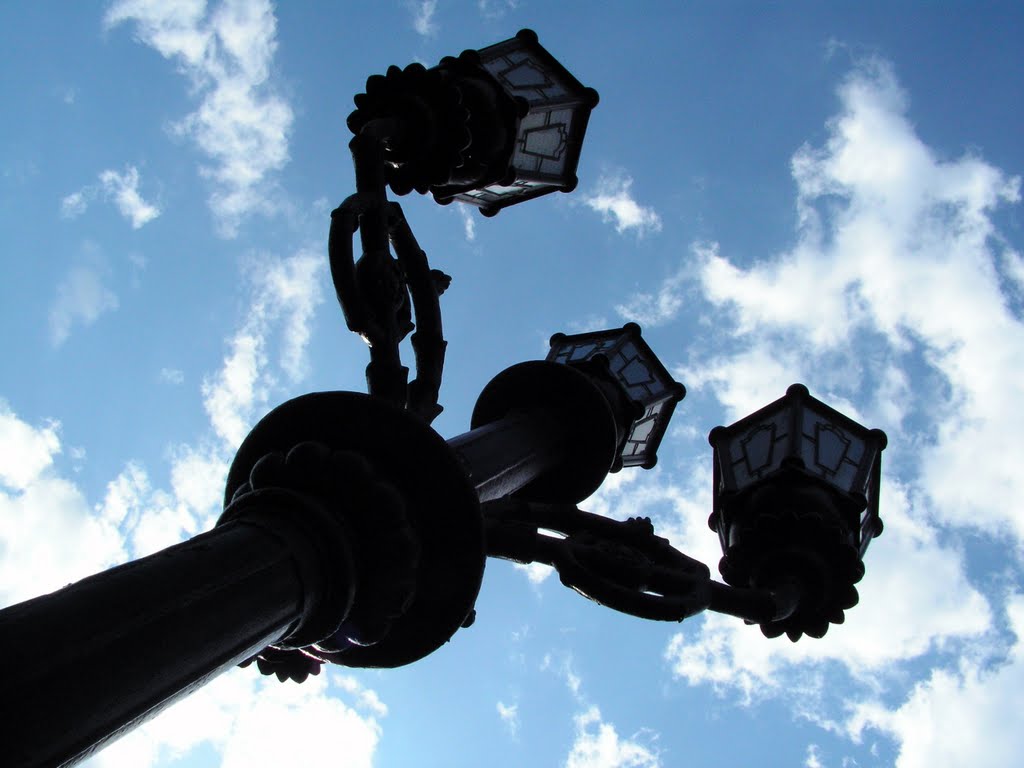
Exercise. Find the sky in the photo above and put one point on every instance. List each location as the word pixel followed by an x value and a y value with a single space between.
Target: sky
pixel 778 193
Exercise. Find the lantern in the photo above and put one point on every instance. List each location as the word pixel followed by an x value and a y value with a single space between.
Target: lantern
pixel 548 137
pixel 641 392
pixel 491 128
pixel 795 501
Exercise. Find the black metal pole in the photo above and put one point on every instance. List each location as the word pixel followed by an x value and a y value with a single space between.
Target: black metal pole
pixel 505 455
pixel 85 664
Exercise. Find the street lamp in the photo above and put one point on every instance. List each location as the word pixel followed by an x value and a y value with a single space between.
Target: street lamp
pixel 492 128
pixel 637 383
pixel 354 534
pixel 795 506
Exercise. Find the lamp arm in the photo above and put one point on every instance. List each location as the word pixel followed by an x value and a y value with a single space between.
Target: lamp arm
pixel 425 287
pixel 378 292
pixel 622 563
pixel 755 606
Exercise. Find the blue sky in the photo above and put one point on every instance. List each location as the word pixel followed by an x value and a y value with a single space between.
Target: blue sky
pixel 825 193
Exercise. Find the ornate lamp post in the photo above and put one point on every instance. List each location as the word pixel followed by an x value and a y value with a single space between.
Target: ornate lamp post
pixel 354 534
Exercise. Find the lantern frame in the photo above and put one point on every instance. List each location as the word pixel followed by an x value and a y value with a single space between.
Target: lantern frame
pixel 608 357
pixel 788 453
pixel 559 95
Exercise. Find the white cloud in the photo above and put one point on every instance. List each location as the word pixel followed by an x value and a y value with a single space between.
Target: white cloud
pixel 468 222
pixel 81 299
pixel 25 451
pixel 423 17
pixel 971 716
pixel 242 122
pixel 254 720
pixel 123 188
pixel 301 725
pixel 613 199
pixel 936 612
pixel 231 397
pixel 509 714
pixel 654 309
pixel 598 745
pixel 172 376
pixel 564 668
pixel 899 295
pixel 496 9
pixel 74 205
pixel 899 243
pixel 284 296
pixel 537 573
pixel 48 535
pixel 120 188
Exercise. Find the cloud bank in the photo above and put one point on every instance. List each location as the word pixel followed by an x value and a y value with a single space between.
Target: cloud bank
pixel 242 122
pixel 899 293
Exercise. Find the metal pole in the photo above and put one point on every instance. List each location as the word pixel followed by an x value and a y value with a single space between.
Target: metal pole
pixel 85 664
pixel 505 455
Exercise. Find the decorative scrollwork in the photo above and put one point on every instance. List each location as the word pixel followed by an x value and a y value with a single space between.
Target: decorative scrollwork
pixel 380 293
pixel 620 564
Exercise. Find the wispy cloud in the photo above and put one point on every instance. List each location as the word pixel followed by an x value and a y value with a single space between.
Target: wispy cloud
pixel 241 123
pixel 81 299
pixel 122 189
pixel 966 716
pixel 172 376
pixel 284 295
pixel 599 745
pixel 75 204
pixel 496 9
pixel 423 17
pixel 468 222
pixel 658 307
pixel 509 714
pixel 613 199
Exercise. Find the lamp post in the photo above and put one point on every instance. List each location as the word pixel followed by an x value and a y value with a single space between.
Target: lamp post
pixel 354 534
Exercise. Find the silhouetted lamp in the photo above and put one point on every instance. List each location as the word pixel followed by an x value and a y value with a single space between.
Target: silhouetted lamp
pixel 642 393
pixel 548 138
pixel 492 128
pixel 795 505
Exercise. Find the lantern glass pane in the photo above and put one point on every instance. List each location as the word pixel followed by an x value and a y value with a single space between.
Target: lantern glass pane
pixel 572 351
pixel 829 451
pixel 523 75
pixel 759 449
pixel 542 142
pixel 497 193
pixel 635 449
pixel 636 374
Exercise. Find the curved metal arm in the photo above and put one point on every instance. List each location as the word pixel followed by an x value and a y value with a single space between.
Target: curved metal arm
pixel 425 286
pixel 378 293
pixel 621 564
